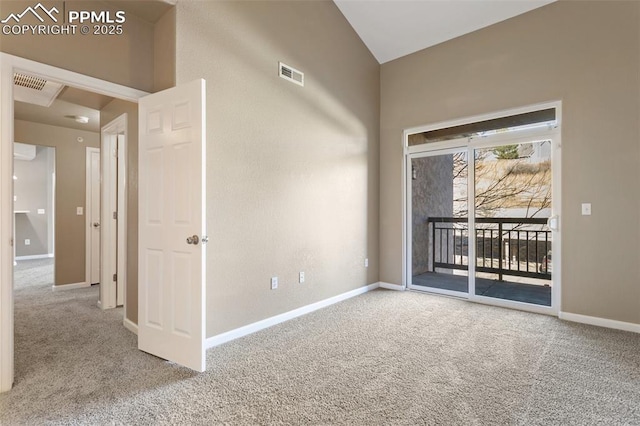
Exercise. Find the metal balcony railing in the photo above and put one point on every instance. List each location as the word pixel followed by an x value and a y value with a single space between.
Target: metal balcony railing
pixel 504 246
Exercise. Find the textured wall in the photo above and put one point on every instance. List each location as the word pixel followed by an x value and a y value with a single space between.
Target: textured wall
pixel 292 180
pixel 70 192
pixel 432 196
pixel 110 112
pixel 586 54
pixel 32 190
pixel 164 48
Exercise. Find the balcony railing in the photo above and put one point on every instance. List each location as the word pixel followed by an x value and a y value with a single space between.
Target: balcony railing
pixel 504 246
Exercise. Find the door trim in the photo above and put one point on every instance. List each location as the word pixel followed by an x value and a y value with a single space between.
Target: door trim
pixel 8 65
pixel 470 144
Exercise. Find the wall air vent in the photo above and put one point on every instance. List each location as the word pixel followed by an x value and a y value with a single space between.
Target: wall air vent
pixel 291 74
pixel 35 90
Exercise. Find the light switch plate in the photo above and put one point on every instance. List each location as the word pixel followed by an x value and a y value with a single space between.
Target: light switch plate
pixel 586 209
pixel 40 211
pixel 79 211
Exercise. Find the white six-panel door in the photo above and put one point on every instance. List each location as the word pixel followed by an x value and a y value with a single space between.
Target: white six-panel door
pixel 171 280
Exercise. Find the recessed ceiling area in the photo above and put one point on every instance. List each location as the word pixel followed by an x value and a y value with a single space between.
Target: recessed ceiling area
pixel 395 28
pixel 59 114
pixel 63 111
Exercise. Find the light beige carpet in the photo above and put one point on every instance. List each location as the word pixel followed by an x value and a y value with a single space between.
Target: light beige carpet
pixel 381 358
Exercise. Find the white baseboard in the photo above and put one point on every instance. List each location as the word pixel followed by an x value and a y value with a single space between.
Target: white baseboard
pixel 130 325
pixel 69 286
pixel 390 286
pixel 269 322
pixel 35 256
pixel 600 322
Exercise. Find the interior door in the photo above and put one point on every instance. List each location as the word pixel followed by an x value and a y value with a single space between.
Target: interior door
pixel 94 214
pixel 121 240
pixel 171 286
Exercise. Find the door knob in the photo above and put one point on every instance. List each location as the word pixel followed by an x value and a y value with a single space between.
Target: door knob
pixel 96 224
pixel 194 239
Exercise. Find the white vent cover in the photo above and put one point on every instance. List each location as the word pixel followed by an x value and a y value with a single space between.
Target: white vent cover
pixel 291 74
pixel 35 90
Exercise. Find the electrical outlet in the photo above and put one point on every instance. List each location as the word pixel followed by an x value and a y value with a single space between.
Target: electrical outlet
pixel 366 263
pixel 301 277
pixel 274 283
pixel 27 242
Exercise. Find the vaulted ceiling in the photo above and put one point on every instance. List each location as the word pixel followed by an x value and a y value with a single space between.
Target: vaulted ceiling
pixel 395 28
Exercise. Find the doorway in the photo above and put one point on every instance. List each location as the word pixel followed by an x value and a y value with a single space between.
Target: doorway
pixel 173 119
pixel 482 208
pixel 34 214
pixel 10 66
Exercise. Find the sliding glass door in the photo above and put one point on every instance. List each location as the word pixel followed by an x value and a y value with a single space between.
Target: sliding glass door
pixel 513 203
pixel 482 203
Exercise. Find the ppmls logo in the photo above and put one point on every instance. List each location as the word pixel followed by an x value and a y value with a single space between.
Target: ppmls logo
pixel 100 22
pixel 34 12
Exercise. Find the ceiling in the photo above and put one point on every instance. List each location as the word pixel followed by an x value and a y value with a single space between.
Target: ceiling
pixel 395 28
pixel 59 112
pixel 389 28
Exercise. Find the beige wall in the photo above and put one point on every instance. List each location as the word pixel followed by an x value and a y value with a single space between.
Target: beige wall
pixel 164 46
pixel 292 179
pixel 585 54
pixel 70 192
pixel 125 59
pixel 110 112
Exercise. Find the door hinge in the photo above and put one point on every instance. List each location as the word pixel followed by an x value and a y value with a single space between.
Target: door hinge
pixel 115 215
pixel 115 277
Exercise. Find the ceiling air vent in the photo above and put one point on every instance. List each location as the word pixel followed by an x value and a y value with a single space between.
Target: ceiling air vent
pixel 291 74
pixel 35 90
pixel 28 81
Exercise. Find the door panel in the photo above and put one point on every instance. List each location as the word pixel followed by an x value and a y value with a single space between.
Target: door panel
pixel 171 209
pixel 512 186
pixel 439 246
